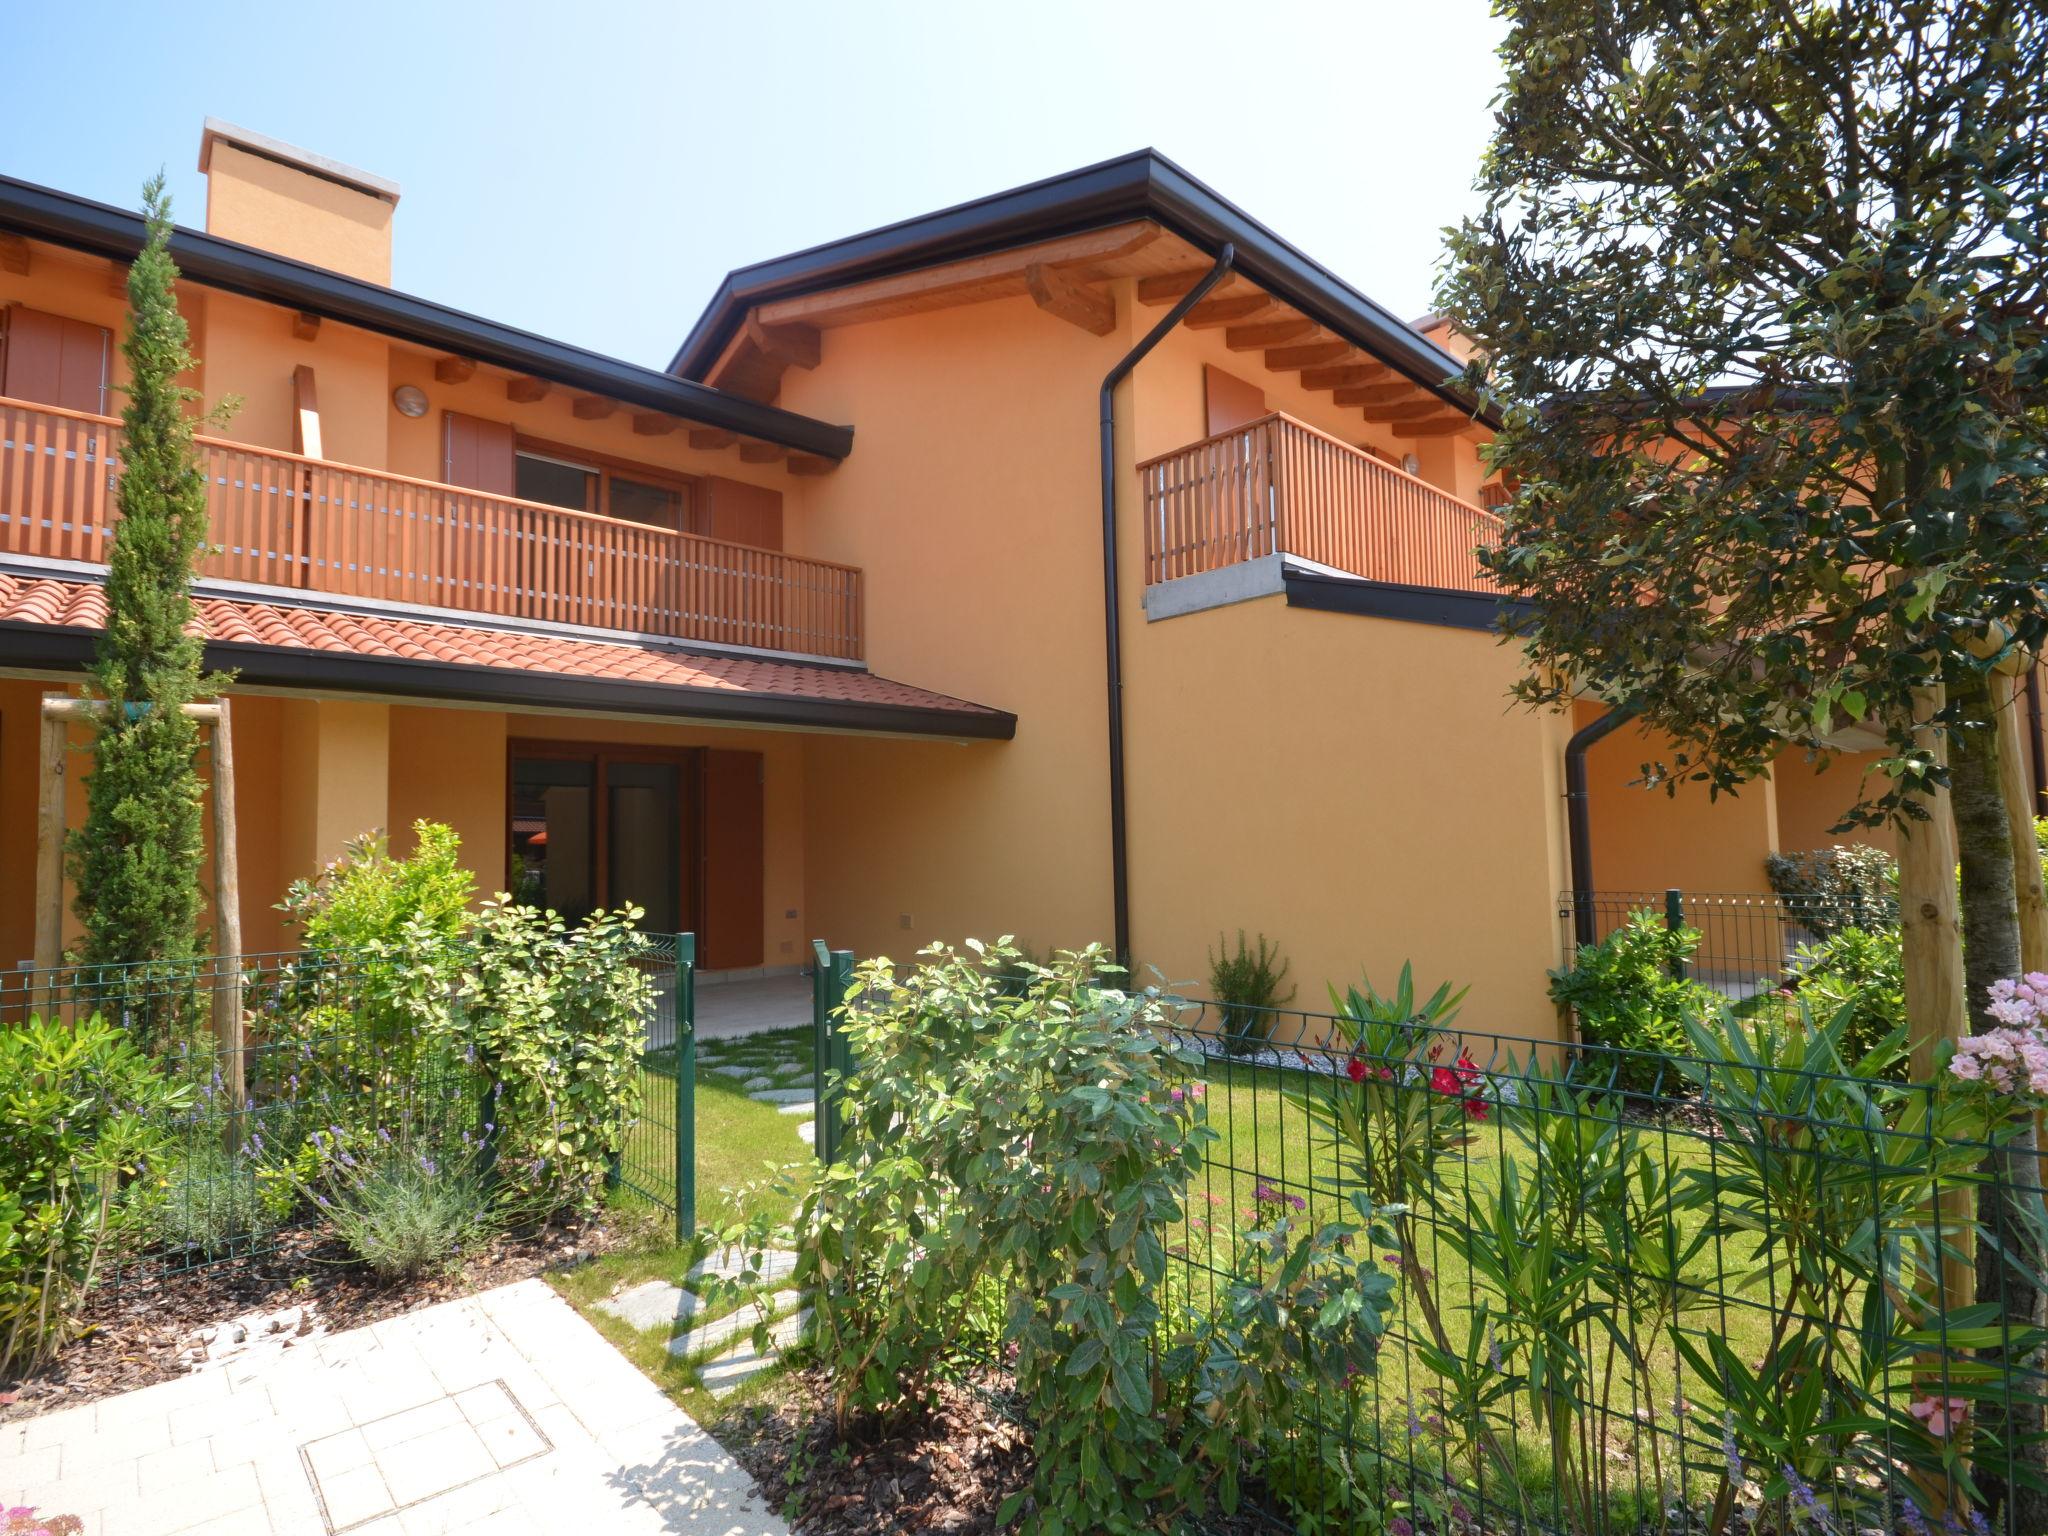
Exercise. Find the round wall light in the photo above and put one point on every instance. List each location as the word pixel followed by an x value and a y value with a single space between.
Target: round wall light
pixel 410 400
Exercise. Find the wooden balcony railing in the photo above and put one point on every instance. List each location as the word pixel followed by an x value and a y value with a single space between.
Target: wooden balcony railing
pixel 287 521
pixel 1278 486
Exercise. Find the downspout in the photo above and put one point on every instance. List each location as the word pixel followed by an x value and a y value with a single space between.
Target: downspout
pixel 1112 621
pixel 1579 816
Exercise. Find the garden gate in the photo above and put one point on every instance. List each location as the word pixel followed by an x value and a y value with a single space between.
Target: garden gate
pixel 659 1162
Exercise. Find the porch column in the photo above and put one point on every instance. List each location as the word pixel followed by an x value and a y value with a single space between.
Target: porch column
pixel 336 769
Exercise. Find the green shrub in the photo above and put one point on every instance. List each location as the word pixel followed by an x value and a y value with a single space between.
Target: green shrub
pixel 1625 996
pixel 366 897
pixel 1828 889
pixel 81 1113
pixel 1864 973
pixel 404 1210
pixel 1247 985
pixel 556 1017
pixel 1038 1147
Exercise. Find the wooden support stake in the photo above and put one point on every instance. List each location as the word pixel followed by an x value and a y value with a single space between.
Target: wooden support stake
pixel 2020 811
pixel 50 854
pixel 227 905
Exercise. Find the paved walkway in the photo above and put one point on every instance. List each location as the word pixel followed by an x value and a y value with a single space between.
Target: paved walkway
pixel 730 1009
pixel 501 1413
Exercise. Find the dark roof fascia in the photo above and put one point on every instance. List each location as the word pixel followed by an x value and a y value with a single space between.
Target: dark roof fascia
pixel 1144 185
pixel 63 647
pixel 79 223
pixel 1442 606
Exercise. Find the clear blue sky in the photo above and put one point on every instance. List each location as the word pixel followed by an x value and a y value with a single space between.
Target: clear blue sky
pixel 590 171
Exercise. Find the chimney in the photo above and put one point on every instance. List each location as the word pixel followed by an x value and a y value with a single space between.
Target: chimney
pixel 262 192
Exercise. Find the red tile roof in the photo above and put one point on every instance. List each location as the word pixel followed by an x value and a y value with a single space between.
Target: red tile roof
pixel 698 678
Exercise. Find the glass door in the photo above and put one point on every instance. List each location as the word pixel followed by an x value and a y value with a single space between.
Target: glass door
pixel 643 840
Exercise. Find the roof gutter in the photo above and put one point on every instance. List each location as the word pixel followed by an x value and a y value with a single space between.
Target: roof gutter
pixel 1578 809
pixel 1145 185
pixel 1112 616
pixel 80 224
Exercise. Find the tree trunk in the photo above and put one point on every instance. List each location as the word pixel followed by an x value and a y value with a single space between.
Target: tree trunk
pixel 1991 951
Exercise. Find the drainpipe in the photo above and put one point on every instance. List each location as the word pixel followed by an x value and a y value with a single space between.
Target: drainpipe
pixel 1119 849
pixel 1579 816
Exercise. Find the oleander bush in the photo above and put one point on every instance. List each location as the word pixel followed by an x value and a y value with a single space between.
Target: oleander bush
pixel 83 1112
pixel 1038 1146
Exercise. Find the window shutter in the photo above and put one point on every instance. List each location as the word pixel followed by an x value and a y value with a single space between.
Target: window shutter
pixel 1231 401
pixel 739 513
pixel 733 850
pixel 52 360
pixel 477 453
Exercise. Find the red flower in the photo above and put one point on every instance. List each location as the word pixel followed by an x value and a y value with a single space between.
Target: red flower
pixel 1355 1069
pixel 1444 1080
pixel 1476 1108
pixel 1386 1074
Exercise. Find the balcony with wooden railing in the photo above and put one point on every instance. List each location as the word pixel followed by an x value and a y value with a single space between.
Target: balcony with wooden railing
pixel 281 520
pixel 1277 486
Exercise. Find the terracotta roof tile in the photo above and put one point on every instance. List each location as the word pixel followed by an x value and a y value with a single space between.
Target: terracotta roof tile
pixel 238 621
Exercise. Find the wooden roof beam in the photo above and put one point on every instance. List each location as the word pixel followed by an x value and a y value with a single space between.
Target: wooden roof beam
pixel 1379 394
pixel 1433 426
pixel 1169 286
pixel 790 345
pixel 712 437
pixel 752 452
pixel 1058 294
pixel 653 424
pixel 1211 313
pixel 1267 333
pixel 592 407
pixel 1344 374
pixel 14 255
pixel 525 389
pixel 454 370
pixel 306 327
pixel 1307 355
pixel 811 464
pixel 997 275
pixel 1408 410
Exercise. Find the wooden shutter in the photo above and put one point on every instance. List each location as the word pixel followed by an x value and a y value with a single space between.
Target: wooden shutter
pixel 739 513
pixel 51 360
pixel 1231 401
pixel 477 453
pixel 733 852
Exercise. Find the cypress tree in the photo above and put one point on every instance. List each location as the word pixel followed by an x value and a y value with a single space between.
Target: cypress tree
pixel 136 860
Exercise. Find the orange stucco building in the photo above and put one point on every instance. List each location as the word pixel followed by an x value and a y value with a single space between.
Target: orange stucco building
pixel 806 635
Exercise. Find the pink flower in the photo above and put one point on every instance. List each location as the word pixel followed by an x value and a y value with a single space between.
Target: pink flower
pixel 1967 1068
pixel 1940 1414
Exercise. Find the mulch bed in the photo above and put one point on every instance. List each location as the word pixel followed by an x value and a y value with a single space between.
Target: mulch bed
pixel 138 1324
pixel 946 1471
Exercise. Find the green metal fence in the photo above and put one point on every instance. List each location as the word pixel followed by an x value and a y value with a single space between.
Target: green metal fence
pixel 1747 1299
pixel 283 1051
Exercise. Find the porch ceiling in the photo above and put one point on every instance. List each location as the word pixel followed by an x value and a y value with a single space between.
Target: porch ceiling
pixel 46 622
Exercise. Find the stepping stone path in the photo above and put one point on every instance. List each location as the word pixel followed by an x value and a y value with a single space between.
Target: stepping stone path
pixel 771 1070
pixel 730 1264
pixel 802 1106
pixel 755 1084
pixel 709 1336
pixel 781 1095
pixel 655 1304
pixel 728 1371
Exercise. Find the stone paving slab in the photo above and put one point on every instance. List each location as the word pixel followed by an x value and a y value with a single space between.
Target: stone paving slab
pixel 731 1263
pixel 498 1414
pixel 727 1372
pixel 780 1095
pixel 709 1336
pixel 803 1106
pixel 653 1304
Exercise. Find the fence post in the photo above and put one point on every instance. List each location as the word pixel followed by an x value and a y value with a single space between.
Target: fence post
pixel 686 1086
pixel 1674 919
pixel 831 976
